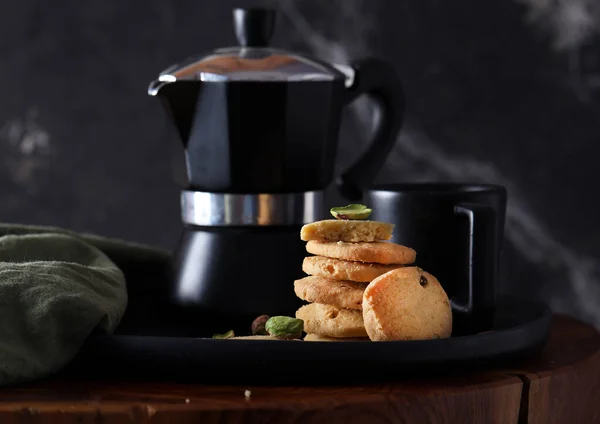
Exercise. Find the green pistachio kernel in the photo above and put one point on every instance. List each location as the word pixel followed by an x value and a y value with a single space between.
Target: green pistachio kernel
pixel 285 327
pixel 230 334
pixel 352 211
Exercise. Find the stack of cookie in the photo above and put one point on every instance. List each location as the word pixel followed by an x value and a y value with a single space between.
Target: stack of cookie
pixel 349 254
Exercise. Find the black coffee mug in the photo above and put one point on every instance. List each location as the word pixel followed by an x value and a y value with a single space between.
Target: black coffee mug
pixel 457 231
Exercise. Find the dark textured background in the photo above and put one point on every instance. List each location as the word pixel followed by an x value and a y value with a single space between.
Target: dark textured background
pixel 500 91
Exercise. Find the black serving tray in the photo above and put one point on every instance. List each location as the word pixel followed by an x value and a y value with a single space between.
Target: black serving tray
pixel 157 340
pixel 520 330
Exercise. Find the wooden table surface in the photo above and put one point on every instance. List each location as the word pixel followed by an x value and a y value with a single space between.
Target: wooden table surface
pixel 561 385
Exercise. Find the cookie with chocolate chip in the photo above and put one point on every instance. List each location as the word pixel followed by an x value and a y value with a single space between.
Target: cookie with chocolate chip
pixel 406 304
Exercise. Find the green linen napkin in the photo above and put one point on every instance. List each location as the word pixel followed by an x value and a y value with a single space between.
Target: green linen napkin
pixel 56 288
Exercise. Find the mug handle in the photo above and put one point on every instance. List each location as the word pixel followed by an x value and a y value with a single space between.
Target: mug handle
pixel 378 79
pixel 482 255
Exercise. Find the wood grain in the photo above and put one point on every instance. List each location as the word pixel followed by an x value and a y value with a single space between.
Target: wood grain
pixel 480 399
pixel 561 385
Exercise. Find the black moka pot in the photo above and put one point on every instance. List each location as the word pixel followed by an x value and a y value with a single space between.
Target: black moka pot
pixel 259 127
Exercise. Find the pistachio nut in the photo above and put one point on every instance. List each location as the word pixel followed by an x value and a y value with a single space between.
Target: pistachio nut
pixel 258 325
pixel 230 334
pixel 285 327
pixel 352 211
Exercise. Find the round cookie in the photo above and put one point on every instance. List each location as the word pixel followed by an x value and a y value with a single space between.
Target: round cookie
pixel 379 252
pixel 329 320
pixel 339 269
pixel 343 294
pixel 347 230
pixel 317 338
pixel 406 304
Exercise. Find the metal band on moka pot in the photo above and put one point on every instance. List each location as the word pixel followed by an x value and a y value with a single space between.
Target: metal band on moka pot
pixel 225 209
